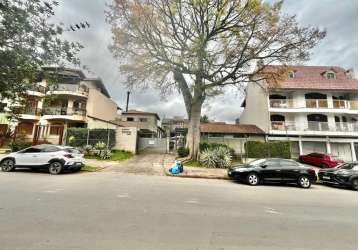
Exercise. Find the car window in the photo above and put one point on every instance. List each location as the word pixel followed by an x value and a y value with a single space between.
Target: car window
pixel 271 163
pixel 72 150
pixel 289 163
pixel 31 150
pixel 50 148
pixel 349 166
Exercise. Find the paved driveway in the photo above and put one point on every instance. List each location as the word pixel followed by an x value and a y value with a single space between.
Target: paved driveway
pixel 144 164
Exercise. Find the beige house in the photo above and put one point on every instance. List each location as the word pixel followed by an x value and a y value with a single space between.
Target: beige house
pixel 146 123
pixel 316 108
pixel 75 101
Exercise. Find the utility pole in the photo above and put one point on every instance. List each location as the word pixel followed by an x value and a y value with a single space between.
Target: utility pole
pixel 128 93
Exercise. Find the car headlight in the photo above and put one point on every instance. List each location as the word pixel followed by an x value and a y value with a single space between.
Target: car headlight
pixel 240 170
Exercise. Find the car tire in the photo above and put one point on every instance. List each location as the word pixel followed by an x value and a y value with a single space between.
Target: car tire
pixel 55 167
pixel 76 169
pixel 304 181
pixel 252 179
pixel 355 184
pixel 7 165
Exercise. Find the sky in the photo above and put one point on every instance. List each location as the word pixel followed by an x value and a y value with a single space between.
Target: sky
pixel 339 48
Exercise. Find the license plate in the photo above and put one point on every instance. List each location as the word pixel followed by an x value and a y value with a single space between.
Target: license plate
pixel 326 177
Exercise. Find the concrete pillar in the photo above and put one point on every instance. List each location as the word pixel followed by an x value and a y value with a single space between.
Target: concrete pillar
pixel 328 144
pixel 354 157
pixel 331 122
pixel 330 100
pixel 300 146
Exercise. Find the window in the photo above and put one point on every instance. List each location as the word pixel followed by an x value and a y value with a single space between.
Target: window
pixel 130 119
pixel 288 163
pixel 31 150
pixel 331 75
pixel 25 128
pixel 271 163
pixel 56 129
pixel 143 119
pixel 49 148
pixel 291 74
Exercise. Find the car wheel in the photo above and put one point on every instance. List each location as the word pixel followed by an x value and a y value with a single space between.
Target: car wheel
pixel 7 165
pixel 355 184
pixel 252 179
pixel 76 170
pixel 304 181
pixel 55 167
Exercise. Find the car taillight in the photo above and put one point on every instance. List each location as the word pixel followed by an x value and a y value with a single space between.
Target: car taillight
pixel 68 156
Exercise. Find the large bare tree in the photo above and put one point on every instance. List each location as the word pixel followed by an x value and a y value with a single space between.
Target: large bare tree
pixel 200 46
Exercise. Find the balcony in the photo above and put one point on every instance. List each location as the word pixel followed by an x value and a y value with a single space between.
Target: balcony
pixel 316 103
pixel 64 111
pixel 345 127
pixel 69 89
pixel 281 103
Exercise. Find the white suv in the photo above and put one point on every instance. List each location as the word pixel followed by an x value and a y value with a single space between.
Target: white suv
pixel 53 157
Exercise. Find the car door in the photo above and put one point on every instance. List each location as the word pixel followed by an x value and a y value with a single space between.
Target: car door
pixel 289 170
pixel 271 170
pixel 48 152
pixel 28 157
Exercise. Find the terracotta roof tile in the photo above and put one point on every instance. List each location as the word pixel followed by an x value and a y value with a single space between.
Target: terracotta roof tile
pixel 224 128
pixel 312 77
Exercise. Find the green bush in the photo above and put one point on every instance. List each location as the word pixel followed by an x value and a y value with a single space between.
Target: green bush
pixel 19 144
pixel 216 157
pixel 275 149
pixel 211 145
pixel 183 152
pixel 77 137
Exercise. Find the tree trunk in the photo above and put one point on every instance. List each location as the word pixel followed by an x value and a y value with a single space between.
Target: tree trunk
pixel 193 136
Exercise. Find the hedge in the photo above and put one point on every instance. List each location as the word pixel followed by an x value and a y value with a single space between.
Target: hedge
pixel 258 149
pixel 77 137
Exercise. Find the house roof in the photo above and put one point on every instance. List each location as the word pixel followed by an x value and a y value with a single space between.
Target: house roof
pixel 223 128
pixel 313 77
pixel 138 112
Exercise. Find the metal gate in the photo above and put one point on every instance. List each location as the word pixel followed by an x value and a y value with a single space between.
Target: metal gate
pixel 153 145
pixel 48 133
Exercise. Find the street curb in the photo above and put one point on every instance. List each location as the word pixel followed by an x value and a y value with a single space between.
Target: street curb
pixel 196 176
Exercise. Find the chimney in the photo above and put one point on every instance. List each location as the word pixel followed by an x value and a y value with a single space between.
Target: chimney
pixel 350 74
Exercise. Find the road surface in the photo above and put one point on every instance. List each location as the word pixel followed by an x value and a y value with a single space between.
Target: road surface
pixel 112 210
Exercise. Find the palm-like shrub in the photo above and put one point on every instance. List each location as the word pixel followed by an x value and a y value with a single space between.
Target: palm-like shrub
pixel 218 157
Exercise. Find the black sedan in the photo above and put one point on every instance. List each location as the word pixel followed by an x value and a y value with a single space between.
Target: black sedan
pixel 345 175
pixel 273 170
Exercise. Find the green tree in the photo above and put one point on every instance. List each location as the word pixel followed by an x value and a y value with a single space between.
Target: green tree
pixel 28 40
pixel 204 119
pixel 201 46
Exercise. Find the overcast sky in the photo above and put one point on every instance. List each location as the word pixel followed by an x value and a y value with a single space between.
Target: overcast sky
pixel 340 48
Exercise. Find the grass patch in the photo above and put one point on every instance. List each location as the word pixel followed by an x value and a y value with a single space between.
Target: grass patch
pixel 117 155
pixel 193 163
pixel 88 168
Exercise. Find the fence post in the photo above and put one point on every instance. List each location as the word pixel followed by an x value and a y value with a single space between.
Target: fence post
pixel 107 138
pixel 88 131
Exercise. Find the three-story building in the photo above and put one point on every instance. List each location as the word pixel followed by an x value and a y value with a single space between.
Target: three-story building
pixel 314 107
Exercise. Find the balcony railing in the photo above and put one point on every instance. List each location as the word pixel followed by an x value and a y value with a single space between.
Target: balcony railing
pixel 281 103
pixel 316 103
pixel 32 111
pixel 283 125
pixel 64 111
pixel 83 90
pixel 314 126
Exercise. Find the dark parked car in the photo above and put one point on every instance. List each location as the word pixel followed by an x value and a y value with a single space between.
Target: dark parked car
pixel 320 160
pixel 273 170
pixel 345 175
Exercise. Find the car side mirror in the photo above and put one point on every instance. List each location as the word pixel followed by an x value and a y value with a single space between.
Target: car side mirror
pixel 264 166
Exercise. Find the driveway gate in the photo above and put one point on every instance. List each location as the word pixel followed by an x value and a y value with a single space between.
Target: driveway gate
pixel 153 145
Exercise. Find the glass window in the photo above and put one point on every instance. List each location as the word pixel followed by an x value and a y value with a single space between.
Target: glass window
pixel 49 148
pixel 143 119
pixel 130 119
pixel 331 75
pixel 271 163
pixel 288 163
pixel 31 150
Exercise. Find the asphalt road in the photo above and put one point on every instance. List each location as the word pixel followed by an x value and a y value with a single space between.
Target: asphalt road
pixel 118 211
